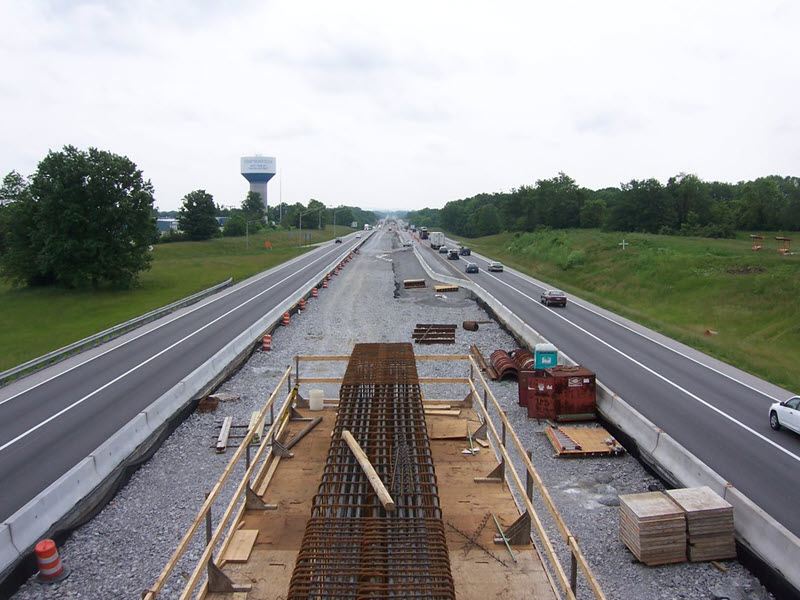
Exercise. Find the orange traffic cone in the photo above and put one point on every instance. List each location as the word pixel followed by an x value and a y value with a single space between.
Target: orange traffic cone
pixel 51 569
pixel 266 344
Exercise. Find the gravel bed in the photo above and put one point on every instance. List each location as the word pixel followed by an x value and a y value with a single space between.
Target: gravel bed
pixel 121 551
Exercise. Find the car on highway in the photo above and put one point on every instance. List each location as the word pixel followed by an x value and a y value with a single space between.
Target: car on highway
pixel 452 255
pixel 495 266
pixel 786 414
pixel 443 250
pixel 471 268
pixel 553 297
pixel 407 244
pixel 464 251
pixel 338 241
pixel 358 236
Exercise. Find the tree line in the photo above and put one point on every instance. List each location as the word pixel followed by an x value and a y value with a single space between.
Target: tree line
pixel 686 205
pixel 88 218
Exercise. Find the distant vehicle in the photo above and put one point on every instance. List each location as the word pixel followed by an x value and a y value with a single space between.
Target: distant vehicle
pixel 443 250
pixel 437 239
pixel 471 268
pixel 423 233
pixel 464 251
pixel 358 235
pixel 338 241
pixel 786 414
pixel 495 266
pixel 553 297
pixel 407 244
pixel 452 255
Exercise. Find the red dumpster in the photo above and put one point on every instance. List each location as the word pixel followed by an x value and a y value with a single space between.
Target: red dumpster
pixel 560 393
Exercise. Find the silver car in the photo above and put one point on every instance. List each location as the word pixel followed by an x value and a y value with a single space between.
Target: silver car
pixel 786 414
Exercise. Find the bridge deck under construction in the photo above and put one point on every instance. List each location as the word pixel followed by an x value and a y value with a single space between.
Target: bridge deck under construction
pixel 334 536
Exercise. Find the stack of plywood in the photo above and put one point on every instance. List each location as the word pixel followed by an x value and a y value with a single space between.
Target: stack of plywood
pixel 653 527
pixel 709 523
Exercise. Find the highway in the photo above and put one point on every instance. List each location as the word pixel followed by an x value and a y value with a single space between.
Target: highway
pixel 715 411
pixel 53 419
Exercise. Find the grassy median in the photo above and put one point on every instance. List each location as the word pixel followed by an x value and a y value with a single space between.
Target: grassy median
pixel 34 321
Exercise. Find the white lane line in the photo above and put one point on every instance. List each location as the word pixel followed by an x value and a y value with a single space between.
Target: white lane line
pixel 203 304
pixel 141 364
pixel 652 372
pixel 663 345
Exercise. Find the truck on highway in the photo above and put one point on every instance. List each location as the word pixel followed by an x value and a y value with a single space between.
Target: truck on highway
pixel 437 239
pixel 423 233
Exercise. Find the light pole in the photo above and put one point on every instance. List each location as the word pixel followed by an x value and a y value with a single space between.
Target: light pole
pixel 300 219
pixel 334 222
pixel 247 233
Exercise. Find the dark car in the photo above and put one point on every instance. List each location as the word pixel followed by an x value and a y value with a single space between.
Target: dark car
pixel 553 298
pixel 464 251
pixel 452 255
pixel 338 241
pixel 471 268
pixel 443 250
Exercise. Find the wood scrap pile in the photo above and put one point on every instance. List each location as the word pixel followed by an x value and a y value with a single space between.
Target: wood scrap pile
pixel 709 523
pixel 653 527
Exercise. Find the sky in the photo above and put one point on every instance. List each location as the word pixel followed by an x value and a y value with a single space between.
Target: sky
pixel 401 106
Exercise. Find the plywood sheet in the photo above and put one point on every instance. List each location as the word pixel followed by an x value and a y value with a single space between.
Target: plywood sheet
pixel 241 545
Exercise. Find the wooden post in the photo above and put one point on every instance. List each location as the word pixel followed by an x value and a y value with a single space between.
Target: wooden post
pixel 529 479
pixel 504 433
pixel 573 572
pixel 208 522
pixel 369 470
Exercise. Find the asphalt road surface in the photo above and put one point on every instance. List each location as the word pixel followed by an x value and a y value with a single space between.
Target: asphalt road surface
pixel 53 419
pixel 716 411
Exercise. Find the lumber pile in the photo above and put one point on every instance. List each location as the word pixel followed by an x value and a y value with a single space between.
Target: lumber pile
pixel 709 523
pixel 653 527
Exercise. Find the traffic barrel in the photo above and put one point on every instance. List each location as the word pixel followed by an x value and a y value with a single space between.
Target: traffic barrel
pixel 328 278
pixel 286 318
pixel 51 569
pixel 325 284
pixel 314 292
pixel 266 343
pixel 302 304
pixel 336 271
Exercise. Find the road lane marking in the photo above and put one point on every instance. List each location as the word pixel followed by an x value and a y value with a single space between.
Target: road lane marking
pixel 663 345
pixel 172 320
pixel 137 367
pixel 668 381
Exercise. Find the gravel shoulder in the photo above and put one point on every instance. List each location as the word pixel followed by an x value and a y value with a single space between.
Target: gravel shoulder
pixel 121 551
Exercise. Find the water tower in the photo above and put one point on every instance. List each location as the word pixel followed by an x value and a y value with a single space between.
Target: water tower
pixel 258 170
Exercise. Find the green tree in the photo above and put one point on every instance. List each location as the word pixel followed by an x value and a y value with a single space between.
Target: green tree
pixel 85 218
pixel 593 213
pixel 253 206
pixel 235 226
pixel 196 217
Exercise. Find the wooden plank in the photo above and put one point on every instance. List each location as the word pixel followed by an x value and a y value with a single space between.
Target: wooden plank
pixel 319 380
pixel 369 471
pixel 435 412
pixel 241 545
pixel 444 379
pixel 224 433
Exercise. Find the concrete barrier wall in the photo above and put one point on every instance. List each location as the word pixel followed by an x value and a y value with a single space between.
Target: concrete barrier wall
pixel 763 535
pixel 20 532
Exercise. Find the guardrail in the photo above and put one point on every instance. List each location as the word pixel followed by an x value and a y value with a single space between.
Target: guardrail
pixel 755 529
pixel 104 336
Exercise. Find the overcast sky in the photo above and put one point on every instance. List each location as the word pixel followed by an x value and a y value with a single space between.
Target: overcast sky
pixel 403 105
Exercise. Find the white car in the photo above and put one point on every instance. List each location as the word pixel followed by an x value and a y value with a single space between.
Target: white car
pixel 786 414
pixel 358 235
pixel 407 244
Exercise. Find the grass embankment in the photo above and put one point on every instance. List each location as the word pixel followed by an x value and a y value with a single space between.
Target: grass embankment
pixel 679 286
pixel 36 321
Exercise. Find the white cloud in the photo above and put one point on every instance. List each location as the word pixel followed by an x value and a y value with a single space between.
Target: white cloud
pixel 404 105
